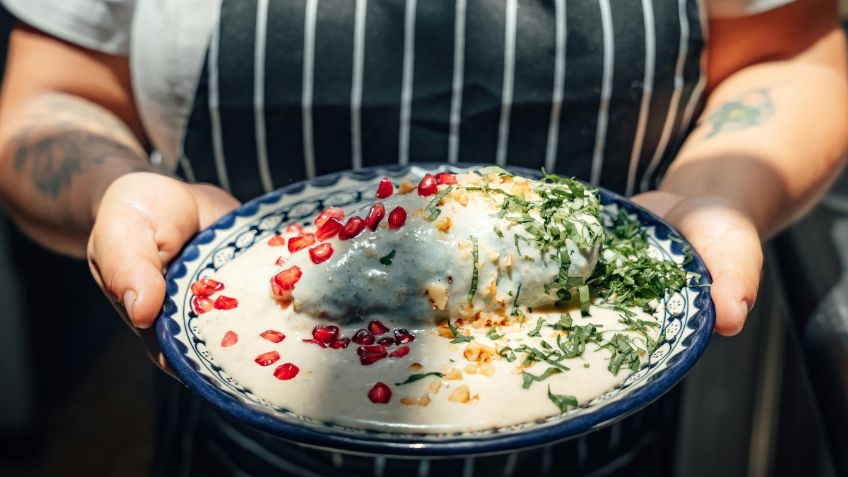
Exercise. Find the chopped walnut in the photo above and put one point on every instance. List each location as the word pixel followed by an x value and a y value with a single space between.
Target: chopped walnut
pixel 461 394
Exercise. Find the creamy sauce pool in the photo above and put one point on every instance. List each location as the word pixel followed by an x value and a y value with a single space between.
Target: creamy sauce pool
pixel 333 386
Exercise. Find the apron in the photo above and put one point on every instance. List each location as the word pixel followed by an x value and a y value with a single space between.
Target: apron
pixel 601 90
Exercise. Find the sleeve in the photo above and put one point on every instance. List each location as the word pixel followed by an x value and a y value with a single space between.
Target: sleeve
pixel 741 8
pixel 101 25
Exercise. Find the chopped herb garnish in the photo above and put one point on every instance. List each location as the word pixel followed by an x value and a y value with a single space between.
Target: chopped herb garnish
pixel 387 259
pixel 515 301
pixel 473 289
pixel 507 353
pixel 585 299
pixel 498 232
pixel 539 324
pixel 433 207
pixel 625 274
pixel 623 354
pixel 564 402
pixel 529 378
pixel 415 377
pixel 458 338
pixel 493 334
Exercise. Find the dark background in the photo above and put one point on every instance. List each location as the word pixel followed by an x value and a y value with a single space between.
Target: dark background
pixel 76 396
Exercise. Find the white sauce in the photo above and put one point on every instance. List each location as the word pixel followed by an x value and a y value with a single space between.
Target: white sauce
pixel 332 385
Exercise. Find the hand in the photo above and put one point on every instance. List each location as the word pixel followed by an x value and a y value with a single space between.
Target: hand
pixel 142 222
pixel 727 241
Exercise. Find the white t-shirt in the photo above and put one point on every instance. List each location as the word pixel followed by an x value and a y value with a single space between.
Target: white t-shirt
pixel 166 42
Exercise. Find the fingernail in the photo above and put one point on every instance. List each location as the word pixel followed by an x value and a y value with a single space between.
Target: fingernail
pixel 129 301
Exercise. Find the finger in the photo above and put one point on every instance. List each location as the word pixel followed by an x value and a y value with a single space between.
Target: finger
pixel 134 234
pixel 730 246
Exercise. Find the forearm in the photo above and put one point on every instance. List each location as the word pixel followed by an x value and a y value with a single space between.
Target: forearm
pixel 58 153
pixel 772 137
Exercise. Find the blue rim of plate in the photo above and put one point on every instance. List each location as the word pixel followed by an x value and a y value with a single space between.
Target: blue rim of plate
pixel 310 433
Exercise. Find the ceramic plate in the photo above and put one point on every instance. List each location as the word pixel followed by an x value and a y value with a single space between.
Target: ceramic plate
pixel 687 323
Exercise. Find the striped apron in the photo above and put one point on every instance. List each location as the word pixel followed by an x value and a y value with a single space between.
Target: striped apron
pixel 602 90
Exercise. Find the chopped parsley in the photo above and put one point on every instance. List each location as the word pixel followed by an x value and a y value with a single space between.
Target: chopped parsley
pixel 458 338
pixel 623 353
pixel 625 274
pixel 473 289
pixel 564 402
pixel 498 232
pixel 433 207
pixel 493 334
pixel 585 299
pixel 529 378
pixel 387 259
pixel 535 331
pixel 416 377
pixel 507 353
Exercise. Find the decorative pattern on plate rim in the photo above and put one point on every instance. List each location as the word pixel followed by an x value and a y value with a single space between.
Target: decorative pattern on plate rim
pixel 688 320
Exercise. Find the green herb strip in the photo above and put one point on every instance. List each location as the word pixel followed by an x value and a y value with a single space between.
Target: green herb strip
pixel 387 259
pixel 530 378
pixel 493 334
pixel 623 354
pixel 564 402
pixel 473 289
pixel 433 207
pixel 585 299
pixel 417 377
pixel 535 332
pixel 458 338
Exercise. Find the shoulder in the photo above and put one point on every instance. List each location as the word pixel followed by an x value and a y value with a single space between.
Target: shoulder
pixel 740 8
pixel 101 25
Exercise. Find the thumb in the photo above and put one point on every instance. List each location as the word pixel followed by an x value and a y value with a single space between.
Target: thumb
pixel 729 244
pixel 134 234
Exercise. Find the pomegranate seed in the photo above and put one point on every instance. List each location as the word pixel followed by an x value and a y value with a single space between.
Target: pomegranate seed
pixel 300 242
pixel 377 328
pixel 229 339
pixel 427 186
pixel 386 341
pixel 397 217
pixel 321 253
pixel 276 241
pixel 446 178
pixel 273 336
pixel 385 188
pixel 380 393
pixel 267 359
pixel 288 277
pixel 370 354
pixel 400 352
pixel 327 214
pixel 403 336
pixel 206 287
pixel 325 333
pixel 375 215
pixel 280 261
pixel 314 341
pixel 340 343
pixel 363 337
pixel 330 228
pixel 225 303
pixel 286 371
pixel 354 226
pixel 294 229
pixel 202 304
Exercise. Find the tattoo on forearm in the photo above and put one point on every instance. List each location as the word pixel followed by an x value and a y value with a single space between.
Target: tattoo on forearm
pixel 61 137
pixel 751 109
pixel 52 160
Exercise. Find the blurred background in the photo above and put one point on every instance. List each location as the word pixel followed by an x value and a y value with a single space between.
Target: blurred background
pixel 77 386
